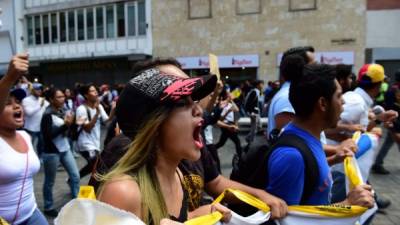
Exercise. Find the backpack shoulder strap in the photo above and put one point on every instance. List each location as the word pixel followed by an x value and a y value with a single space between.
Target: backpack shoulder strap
pixel 88 112
pixel 311 170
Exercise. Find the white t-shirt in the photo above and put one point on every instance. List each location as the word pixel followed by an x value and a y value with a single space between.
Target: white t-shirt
pixel 60 141
pixel 90 141
pixel 280 103
pixel 356 107
pixel 230 115
pixel 12 172
pixel 33 112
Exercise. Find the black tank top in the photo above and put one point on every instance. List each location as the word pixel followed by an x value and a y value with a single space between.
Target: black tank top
pixel 183 214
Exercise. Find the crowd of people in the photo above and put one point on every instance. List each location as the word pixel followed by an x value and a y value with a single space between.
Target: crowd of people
pixel 160 159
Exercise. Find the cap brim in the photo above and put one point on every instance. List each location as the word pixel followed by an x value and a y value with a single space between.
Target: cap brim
pixel 18 93
pixel 208 86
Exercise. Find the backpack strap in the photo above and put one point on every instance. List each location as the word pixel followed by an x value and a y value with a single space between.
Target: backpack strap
pixel 88 112
pixel 311 170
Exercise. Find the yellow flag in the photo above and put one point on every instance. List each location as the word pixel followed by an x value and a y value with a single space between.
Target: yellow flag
pixel 214 67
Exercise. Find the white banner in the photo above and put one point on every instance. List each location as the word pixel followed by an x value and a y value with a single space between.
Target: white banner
pixel 331 58
pixel 224 61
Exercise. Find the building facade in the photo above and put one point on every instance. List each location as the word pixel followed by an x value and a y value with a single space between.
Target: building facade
pixel 250 35
pixel 86 40
pixel 11 31
pixel 383 34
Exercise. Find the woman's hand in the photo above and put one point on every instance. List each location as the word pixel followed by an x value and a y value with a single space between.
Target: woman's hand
pixel 208 209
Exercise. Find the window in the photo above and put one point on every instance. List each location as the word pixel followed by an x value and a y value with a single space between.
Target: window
pixel 63 30
pixel 89 24
pixel 81 28
pixel 54 32
pixel 131 20
pixel 71 26
pixel 29 24
pixel 121 19
pixel 142 18
pixel 99 23
pixel 302 5
pixel 244 7
pixel 110 21
pixel 199 9
pixel 46 31
pixel 38 34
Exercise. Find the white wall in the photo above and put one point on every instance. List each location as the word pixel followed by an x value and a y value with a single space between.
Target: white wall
pixel 7 40
pixel 87 49
pixel 383 29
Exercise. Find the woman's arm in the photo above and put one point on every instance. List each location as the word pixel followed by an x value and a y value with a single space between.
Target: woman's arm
pixel 18 66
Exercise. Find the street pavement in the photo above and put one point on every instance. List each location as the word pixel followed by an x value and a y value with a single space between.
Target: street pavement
pixel 386 186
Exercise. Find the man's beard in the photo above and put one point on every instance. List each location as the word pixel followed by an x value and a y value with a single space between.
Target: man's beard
pixel 330 117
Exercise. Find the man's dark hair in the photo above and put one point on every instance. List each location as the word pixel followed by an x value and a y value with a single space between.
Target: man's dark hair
pixel 301 51
pixel 291 67
pixel 257 82
pixel 151 63
pixel 84 89
pixel 51 93
pixel 316 81
pixel 343 71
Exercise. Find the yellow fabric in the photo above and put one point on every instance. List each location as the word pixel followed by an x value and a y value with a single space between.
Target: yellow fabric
pixel 236 93
pixel 87 192
pixel 351 173
pixel 3 221
pixel 338 211
pixel 376 73
pixel 335 211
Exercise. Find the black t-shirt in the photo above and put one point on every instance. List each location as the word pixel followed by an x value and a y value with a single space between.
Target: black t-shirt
pixel 113 151
pixel 196 175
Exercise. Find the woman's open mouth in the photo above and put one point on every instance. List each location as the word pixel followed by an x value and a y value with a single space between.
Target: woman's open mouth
pixel 198 139
pixel 18 116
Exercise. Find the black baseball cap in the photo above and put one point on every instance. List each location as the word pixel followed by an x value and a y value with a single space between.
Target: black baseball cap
pixel 151 89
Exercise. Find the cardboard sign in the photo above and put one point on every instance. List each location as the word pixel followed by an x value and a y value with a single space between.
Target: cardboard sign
pixel 214 68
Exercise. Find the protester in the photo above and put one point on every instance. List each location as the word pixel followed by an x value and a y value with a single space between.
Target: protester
pixel 34 107
pixel 253 106
pixel 69 102
pixel 280 110
pixel 392 102
pixel 227 123
pixel 18 161
pixel 89 117
pixel 316 97
pixel 198 176
pixel 147 178
pixel 54 125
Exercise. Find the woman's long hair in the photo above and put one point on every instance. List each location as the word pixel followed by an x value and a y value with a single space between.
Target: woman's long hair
pixel 139 162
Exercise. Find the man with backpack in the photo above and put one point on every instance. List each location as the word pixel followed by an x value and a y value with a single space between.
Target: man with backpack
pixel 316 97
pixel 89 116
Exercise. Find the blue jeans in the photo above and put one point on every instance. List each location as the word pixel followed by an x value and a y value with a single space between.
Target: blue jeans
pixel 387 144
pixel 37 218
pixel 50 163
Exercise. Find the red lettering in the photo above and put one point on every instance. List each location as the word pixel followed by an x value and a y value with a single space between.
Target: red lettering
pixel 242 62
pixel 331 60
pixel 203 63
